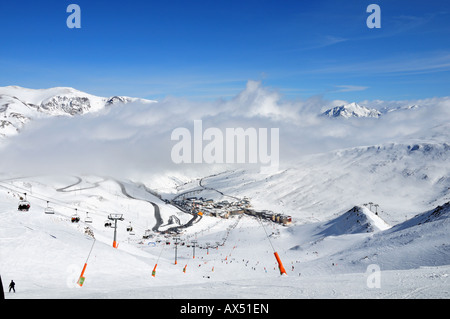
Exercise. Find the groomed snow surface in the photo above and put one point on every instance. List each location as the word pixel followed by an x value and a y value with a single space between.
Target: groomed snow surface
pixel 354 254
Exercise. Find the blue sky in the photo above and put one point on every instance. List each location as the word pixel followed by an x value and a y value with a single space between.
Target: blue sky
pixel 210 49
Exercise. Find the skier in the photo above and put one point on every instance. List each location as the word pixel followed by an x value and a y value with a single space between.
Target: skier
pixel 11 286
pixel 2 293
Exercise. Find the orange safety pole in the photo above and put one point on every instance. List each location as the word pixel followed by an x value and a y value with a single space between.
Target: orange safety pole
pixel 81 279
pixel 154 269
pixel 84 269
pixel 280 264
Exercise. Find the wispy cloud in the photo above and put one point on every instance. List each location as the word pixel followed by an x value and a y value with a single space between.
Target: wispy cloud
pixel 350 88
pixel 320 42
pixel 429 62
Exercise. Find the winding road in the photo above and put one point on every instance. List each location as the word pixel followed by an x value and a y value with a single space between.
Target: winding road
pixel 159 220
pixel 79 180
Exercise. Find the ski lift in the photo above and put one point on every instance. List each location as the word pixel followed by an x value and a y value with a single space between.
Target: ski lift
pixel 88 219
pixel 108 223
pixel 49 210
pixel 23 205
pixel 147 234
pixel 75 218
pixel 130 229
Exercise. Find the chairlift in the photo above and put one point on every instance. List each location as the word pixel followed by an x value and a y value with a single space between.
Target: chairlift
pixel 23 205
pixel 108 223
pixel 130 229
pixel 147 234
pixel 75 218
pixel 88 219
pixel 49 210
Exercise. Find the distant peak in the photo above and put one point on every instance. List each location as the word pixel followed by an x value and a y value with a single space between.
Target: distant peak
pixel 351 110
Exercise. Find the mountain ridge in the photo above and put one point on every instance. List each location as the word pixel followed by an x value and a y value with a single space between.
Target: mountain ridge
pixel 351 110
pixel 19 105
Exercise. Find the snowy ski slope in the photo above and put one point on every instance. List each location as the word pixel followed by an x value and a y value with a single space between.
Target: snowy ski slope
pixel 44 254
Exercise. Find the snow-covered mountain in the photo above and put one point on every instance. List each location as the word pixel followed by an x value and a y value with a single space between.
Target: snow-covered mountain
pixel 20 105
pixel 399 108
pixel 351 110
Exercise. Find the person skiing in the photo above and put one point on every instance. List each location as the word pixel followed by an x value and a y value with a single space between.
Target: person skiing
pixel 2 293
pixel 11 286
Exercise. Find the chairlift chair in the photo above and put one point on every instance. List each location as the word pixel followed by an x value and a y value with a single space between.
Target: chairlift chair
pixel 49 210
pixel 88 219
pixel 130 230
pixel 75 218
pixel 147 234
pixel 23 205
pixel 108 223
pixel 129 227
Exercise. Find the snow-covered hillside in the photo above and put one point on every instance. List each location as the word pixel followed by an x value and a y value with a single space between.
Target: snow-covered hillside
pixel 44 253
pixel 403 179
pixel 356 220
pixel 20 105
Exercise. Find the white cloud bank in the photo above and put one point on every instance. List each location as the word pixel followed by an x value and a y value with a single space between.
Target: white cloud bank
pixel 134 140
